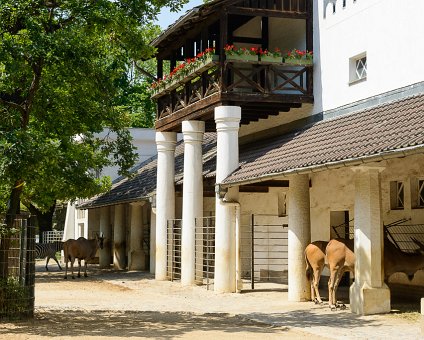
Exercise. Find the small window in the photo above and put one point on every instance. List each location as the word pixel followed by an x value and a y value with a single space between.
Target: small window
pixel 421 193
pixel 397 195
pixel 282 204
pixel 358 68
pixel 417 193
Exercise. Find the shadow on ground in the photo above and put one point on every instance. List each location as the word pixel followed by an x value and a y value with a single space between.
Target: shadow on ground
pixel 164 325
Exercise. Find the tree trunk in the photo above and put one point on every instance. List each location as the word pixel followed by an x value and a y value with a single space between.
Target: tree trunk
pixel 13 208
pixel 44 219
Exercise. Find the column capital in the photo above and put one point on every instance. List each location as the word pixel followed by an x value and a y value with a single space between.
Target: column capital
pixel 227 117
pixel 369 168
pixel 166 141
pixel 193 131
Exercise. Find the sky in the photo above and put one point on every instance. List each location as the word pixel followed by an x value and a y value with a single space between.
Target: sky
pixel 167 18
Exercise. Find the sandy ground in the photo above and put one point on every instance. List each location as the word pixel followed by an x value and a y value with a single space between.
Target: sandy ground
pixel 111 305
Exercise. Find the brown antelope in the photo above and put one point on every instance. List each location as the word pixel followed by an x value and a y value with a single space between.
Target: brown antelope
pixel 340 259
pixel 81 249
pixel 315 263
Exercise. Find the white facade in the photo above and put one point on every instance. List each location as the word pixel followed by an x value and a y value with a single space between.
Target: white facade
pixel 76 221
pixel 388 32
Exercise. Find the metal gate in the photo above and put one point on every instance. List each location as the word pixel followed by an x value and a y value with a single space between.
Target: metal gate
pixel 264 249
pixel 205 251
pixel 17 269
pixel 173 250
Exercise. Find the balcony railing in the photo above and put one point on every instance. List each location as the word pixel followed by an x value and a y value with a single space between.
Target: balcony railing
pixel 238 81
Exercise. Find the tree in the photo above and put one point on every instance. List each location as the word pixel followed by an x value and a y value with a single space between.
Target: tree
pixel 61 66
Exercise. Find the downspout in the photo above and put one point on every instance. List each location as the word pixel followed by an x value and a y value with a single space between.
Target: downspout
pixel 239 282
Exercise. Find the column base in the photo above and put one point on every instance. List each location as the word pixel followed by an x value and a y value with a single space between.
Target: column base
pixel 136 260
pixel 365 300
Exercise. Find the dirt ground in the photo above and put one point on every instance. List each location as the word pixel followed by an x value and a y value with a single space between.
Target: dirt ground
pixel 111 304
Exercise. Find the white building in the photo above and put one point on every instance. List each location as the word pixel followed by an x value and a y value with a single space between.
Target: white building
pixel 299 149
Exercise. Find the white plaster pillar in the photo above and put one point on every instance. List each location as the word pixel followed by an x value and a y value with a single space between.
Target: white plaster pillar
pixel 165 196
pixel 368 294
pixel 105 254
pixel 136 256
pixel 299 236
pixel 192 196
pixel 152 250
pixel 227 119
pixel 119 238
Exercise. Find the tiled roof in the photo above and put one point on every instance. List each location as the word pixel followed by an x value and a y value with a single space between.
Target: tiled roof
pixel 378 131
pixel 384 130
pixel 142 183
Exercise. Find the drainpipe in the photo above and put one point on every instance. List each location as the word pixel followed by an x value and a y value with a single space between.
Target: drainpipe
pixel 239 282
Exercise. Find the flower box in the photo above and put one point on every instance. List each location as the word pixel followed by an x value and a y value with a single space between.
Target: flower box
pixel 244 57
pixel 271 59
pixel 300 62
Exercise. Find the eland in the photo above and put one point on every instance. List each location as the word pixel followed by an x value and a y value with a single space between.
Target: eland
pixel 81 249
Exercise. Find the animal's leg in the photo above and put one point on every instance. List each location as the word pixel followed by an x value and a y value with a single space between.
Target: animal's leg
pixel 315 282
pixel 54 258
pixel 85 268
pixel 338 279
pixel 66 267
pixel 331 286
pixel 79 267
pixel 47 262
pixel 72 266
pixel 313 291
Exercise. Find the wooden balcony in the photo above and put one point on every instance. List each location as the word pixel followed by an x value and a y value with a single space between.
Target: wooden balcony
pixel 260 88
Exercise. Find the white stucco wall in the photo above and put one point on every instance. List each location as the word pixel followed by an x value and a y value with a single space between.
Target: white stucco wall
pixel 143 141
pixel 388 31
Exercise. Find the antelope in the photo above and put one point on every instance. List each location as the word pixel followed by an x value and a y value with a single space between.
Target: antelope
pixel 81 249
pixel 315 263
pixel 340 259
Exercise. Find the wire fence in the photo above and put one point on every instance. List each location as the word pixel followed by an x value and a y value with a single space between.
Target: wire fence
pixel 17 269
pixel 52 236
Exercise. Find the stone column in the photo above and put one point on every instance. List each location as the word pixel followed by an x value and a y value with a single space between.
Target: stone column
pixel 119 238
pixel 299 236
pixel 152 249
pixel 368 294
pixel 105 255
pixel 165 196
pixel 136 255
pixel 227 119
pixel 192 196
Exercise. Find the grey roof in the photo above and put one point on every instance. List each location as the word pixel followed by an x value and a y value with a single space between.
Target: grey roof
pixel 388 130
pixel 142 183
pixel 382 131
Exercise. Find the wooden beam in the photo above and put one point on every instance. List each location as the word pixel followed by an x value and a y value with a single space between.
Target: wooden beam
pixel 258 12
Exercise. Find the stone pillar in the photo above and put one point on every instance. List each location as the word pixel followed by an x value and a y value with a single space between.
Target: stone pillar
pixel 227 119
pixel 368 294
pixel 105 254
pixel 299 236
pixel 165 196
pixel 119 238
pixel 152 250
pixel 136 255
pixel 192 196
